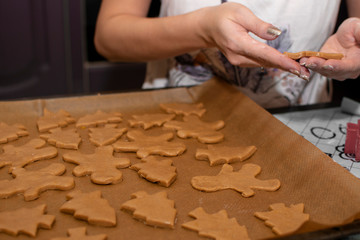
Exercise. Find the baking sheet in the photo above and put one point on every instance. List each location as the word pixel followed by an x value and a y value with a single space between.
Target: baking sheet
pixel 330 193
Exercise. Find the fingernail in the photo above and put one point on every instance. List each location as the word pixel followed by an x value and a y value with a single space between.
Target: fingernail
pixel 302 64
pixel 296 72
pixel 304 77
pixel 273 31
pixel 311 65
pixel 328 67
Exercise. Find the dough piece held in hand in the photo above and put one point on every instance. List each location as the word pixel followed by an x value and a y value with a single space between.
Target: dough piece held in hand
pixel 284 220
pixel 102 165
pixel 32 151
pixel 80 234
pixel 25 220
pixel 150 120
pixel 185 109
pixel 192 126
pixel 32 183
pixel 145 145
pixel 68 139
pixel 98 118
pixel 155 209
pixel 222 154
pixel 155 170
pixel 242 181
pixel 11 132
pixel 105 135
pixel 53 120
pixel 90 207
pixel 216 226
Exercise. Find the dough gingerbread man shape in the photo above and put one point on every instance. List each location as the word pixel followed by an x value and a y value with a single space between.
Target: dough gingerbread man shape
pixel 192 126
pixel 216 226
pixel 156 170
pixel 243 181
pixel 155 209
pixel 105 135
pixel 150 120
pixel 185 109
pixel 25 220
pixel 80 234
pixel 102 165
pixel 284 220
pixel 53 120
pixel 30 152
pixel 98 118
pixel 68 139
pixel 223 154
pixel 145 145
pixel 11 132
pixel 90 207
pixel 32 183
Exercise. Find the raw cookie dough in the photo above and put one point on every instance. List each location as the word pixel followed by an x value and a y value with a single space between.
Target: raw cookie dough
pixel 185 109
pixel 80 234
pixel 150 120
pixel 68 139
pixel 11 132
pixel 105 135
pixel 98 118
pixel 299 55
pixel 53 120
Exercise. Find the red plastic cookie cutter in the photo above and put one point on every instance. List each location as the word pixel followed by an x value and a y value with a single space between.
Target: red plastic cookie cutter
pixel 352 141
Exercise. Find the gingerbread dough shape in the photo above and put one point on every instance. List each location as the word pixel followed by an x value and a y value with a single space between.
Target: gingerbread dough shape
pixel 53 120
pixel 145 145
pixel 102 165
pixel 284 220
pixel 192 126
pixel 243 181
pixel 185 109
pixel 150 120
pixel 324 55
pixel 106 135
pixel 80 234
pixel 25 220
pixel 68 139
pixel 216 226
pixel 98 118
pixel 11 132
pixel 32 151
pixel 81 205
pixel 156 170
pixel 32 183
pixel 155 209
pixel 222 154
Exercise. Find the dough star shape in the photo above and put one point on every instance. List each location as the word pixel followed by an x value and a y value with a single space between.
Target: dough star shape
pixel 102 165
pixel 145 145
pixel 284 220
pixel 29 152
pixel 80 234
pixel 192 126
pixel 217 226
pixel 155 209
pixel 68 139
pixel 32 183
pixel 98 118
pixel 150 120
pixel 53 120
pixel 185 109
pixel 25 220
pixel 242 181
pixel 11 132
pixel 106 135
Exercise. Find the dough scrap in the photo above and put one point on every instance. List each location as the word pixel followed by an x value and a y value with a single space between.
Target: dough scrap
pixel 25 220
pixel 53 120
pixel 30 152
pixel 155 209
pixel 11 132
pixel 242 181
pixel 324 55
pixel 32 183
pixel 68 139
pixel 80 234
pixel 145 145
pixel 192 126
pixel 105 135
pixel 81 205
pixel 216 226
pixel 102 165
pixel 284 220
pixel 156 170
pixel 223 154
pixel 150 120
pixel 185 109
pixel 98 118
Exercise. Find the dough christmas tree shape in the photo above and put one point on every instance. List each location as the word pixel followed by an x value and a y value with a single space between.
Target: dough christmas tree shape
pixel 216 226
pixel 105 135
pixel 185 109
pixel 53 120
pixel 98 118
pixel 150 120
pixel 80 234
pixel 242 181
pixel 68 139
pixel 11 132
pixel 102 166
pixel 154 210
